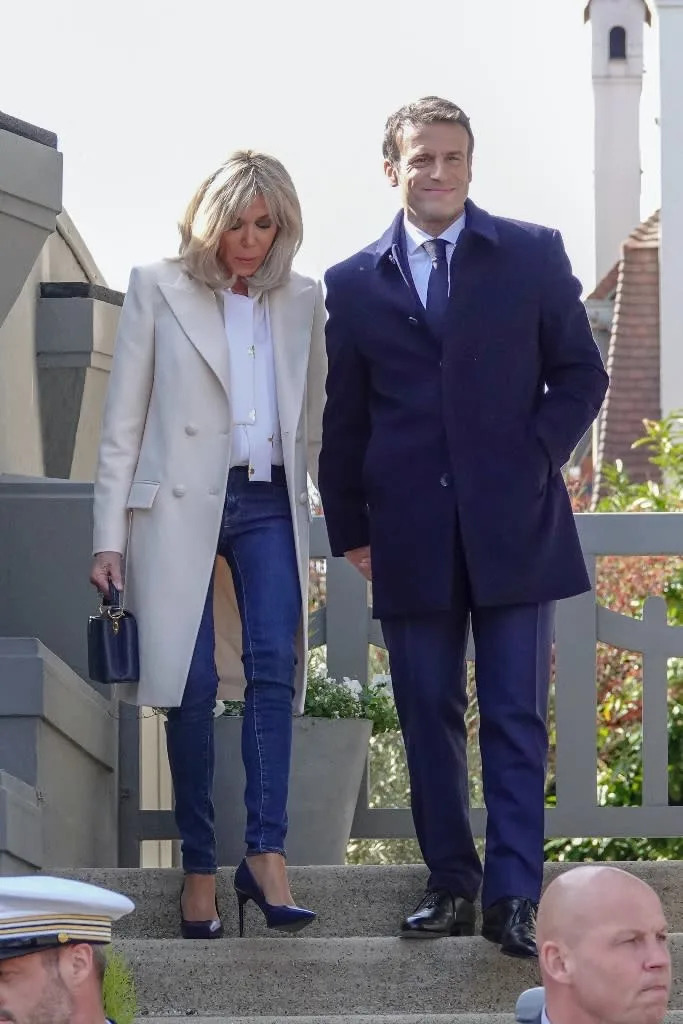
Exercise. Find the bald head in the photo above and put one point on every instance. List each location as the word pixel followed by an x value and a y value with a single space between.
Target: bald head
pixel 583 897
pixel 603 950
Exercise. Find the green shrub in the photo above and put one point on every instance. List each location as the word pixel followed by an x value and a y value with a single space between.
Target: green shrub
pixel 120 1003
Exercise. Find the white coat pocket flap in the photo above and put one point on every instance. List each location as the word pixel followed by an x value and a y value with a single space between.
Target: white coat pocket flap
pixel 142 494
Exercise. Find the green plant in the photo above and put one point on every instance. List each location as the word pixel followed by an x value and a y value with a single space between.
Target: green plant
pixel 331 698
pixel 664 491
pixel 118 990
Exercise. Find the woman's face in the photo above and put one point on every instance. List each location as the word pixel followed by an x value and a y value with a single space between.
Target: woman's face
pixel 243 248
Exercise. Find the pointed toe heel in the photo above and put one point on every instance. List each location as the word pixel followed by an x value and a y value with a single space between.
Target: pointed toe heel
pixel 282 918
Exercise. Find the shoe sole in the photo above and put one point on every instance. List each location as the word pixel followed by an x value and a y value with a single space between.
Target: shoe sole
pixel 295 926
pixel 519 956
pixel 189 936
pixel 459 932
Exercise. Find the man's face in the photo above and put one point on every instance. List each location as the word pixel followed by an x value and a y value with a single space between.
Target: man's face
pixel 433 174
pixel 32 991
pixel 621 968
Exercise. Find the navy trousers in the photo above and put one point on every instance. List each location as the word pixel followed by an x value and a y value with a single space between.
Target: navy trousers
pixel 513 647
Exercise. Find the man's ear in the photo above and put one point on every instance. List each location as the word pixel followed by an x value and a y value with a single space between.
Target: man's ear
pixel 76 964
pixel 554 962
pixel 391 173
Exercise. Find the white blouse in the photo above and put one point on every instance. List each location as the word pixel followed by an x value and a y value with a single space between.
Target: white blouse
pixel 256 438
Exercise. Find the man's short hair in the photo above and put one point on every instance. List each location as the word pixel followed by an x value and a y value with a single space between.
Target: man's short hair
pixel 428 110
pixel 99 960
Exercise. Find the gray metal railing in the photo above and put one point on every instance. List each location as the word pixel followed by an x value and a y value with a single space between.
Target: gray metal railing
pixel 346 626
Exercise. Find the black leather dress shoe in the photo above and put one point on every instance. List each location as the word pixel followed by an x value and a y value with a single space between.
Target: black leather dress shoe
pixel 439 914
pixel 512 925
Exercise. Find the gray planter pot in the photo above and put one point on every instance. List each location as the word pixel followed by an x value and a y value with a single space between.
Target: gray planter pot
pixel 328 758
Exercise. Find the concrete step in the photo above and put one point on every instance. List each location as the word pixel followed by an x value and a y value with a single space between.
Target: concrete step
pixel 334 976
pixel 252 977
pixel 676 1017
pixel 425 1018
pixel 350 901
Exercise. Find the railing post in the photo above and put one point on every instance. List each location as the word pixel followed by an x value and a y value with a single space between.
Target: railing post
pixel 576 701
pixel 129 785
pixel 655 746
pixel 347 621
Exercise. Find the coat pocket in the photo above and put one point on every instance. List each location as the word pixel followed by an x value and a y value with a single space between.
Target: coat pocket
pixel 142 494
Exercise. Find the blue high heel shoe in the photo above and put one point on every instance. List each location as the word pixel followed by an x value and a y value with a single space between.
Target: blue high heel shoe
pixel 200 929
pixel 284 918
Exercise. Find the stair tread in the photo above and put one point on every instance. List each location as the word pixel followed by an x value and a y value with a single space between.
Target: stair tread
pixel 409 1018
pixel 353 976
pixel 349 900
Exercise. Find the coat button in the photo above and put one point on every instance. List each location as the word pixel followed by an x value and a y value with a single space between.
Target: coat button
pixel 190 430
pixel 178 491
pixel 303 497
pixel 413 321
pixel 445 480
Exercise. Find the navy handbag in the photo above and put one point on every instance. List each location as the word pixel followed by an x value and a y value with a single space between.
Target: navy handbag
pixel 113 653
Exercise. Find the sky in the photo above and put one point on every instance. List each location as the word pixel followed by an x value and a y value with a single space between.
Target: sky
pixel 147 97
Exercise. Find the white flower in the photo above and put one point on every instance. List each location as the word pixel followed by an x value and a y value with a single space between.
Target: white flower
pixel 383 679
pixel 354 685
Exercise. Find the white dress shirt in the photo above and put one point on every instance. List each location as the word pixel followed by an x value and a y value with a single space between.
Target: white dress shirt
pixel 544 1017
pixel 256 439
pixel 418 258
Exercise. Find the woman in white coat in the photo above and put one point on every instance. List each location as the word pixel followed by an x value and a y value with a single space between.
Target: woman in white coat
pixel 211 426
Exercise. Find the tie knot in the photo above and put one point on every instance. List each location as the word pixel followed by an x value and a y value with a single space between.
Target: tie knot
pixel 435 249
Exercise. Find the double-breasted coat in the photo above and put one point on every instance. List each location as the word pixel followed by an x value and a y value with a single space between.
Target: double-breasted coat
pixel 165 456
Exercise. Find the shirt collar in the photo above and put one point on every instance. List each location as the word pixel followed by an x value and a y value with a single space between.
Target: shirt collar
pixel 544 1017
pixel 415 237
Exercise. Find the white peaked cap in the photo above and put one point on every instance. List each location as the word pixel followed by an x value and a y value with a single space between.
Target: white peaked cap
pixel 40 912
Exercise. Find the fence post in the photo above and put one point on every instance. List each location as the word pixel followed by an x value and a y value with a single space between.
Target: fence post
pixel 129 785
pixel 347 621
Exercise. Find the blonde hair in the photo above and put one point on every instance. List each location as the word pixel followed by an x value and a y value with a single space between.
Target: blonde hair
pixel 218 204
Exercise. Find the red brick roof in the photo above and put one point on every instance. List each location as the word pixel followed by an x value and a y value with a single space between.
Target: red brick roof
pixel 648 13
pixel 633 360
pixel 606 288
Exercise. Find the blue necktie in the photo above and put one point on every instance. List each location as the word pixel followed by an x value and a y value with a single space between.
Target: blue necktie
pixel 437 288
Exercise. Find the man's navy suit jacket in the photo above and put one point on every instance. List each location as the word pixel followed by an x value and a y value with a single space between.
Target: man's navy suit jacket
pixel 433 439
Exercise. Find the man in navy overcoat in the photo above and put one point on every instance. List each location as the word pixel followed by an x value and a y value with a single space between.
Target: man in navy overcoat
pixel 462 373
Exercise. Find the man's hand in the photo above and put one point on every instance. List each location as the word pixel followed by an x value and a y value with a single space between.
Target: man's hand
pixel 107 565
pixel 360 558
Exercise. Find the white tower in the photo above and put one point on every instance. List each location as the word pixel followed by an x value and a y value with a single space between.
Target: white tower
pixel 617 82
pixel 671 249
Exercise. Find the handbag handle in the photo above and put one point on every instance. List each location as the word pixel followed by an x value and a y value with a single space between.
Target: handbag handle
pixel 112 605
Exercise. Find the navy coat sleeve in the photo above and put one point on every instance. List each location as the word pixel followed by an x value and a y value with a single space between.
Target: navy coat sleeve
pixel 576 381
pixel 346 428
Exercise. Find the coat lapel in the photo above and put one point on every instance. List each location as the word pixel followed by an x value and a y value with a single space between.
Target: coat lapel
pixel 195 308
pixel 291 318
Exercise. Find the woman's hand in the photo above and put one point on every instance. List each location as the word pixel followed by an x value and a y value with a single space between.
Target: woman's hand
pixel 106 566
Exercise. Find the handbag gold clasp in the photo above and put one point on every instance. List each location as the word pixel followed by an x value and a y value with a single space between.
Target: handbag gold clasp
pixel 114 614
